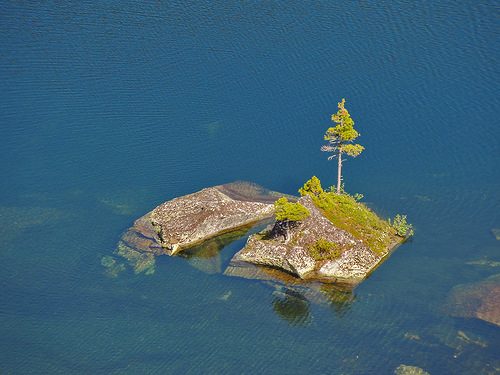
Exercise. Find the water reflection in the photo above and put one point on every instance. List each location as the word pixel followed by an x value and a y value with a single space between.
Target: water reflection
pixel 292 307
pixel 340 299
pixel 291 302
pixel 206 257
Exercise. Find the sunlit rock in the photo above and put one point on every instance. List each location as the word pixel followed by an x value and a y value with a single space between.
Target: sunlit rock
pixel 197 225
pixel 354 263
pixel 186 221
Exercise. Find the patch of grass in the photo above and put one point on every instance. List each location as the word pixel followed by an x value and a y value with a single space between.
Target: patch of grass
pixel 324 250
pixel 354 217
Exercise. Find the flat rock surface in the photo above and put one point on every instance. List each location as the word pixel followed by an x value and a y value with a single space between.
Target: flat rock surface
pixel 479 300
pixel 186 221
pixel 352 266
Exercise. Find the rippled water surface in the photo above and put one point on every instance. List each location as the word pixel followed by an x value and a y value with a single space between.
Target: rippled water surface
pixel 110 108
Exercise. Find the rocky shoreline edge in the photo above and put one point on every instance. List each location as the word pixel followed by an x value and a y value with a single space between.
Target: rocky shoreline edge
pixel 184 222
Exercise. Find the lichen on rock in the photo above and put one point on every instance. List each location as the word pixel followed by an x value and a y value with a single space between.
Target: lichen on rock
pixel 188 220
pixel 220 214
pixel 356 260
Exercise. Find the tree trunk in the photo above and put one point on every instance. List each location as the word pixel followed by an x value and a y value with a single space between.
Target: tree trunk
pixel 339 172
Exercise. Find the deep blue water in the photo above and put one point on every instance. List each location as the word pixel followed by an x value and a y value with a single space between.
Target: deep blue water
pixel 110 108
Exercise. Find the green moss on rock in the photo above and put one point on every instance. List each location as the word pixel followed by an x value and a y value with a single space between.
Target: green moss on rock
pixel 324 250
pixel 346 213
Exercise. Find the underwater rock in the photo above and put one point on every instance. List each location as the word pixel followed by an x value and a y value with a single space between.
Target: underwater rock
pixel 186 221
pixel 13 220
pixel 113 268
pixel 484 263
pixel 142 236
pixel 496 233
pixel 139 261
pixel 410 370
pixel 124 202
pixel 479 300
pixel 225 296
pixel 351 267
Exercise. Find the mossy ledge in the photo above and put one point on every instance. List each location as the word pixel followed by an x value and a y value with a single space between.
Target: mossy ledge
pixel 351 260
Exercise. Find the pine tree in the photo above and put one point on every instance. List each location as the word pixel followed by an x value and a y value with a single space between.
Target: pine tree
pixel 288 215
pixel 340 139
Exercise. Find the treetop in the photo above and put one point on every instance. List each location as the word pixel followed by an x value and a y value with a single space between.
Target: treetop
pixel 288 211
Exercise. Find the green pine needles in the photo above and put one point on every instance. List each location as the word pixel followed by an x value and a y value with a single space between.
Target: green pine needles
pixel 347 213
pixel 403 228
pixel 340 139
pixel 289 211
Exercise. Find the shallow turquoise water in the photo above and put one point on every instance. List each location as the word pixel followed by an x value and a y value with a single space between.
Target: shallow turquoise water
pixel 107 110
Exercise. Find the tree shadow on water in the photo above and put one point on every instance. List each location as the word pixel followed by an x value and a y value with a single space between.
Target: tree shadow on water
pixel 292 303
pixel 292 307
pixel 339 299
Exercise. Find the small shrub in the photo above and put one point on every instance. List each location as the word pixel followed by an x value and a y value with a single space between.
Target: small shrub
pixel 313 186
pixel 358 196
pixel 324 250
pixel 288 211
pixel 402 227
pixel 333 189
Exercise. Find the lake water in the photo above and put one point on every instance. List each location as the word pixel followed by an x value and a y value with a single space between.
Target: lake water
pixel 109 108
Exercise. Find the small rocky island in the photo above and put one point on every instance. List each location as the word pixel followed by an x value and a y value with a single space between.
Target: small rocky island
pixel 316 250
pixel 338 239
pixel 325 235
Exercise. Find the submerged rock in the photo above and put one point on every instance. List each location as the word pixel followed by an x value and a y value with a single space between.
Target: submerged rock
pixel 496 233
pixel 479 300
pixel 484 263
pixel 142 236
pixel 225 296
pixel 351 267
pixel 140 262
pixel 113 268
pixel 410 370
pixel 14 220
